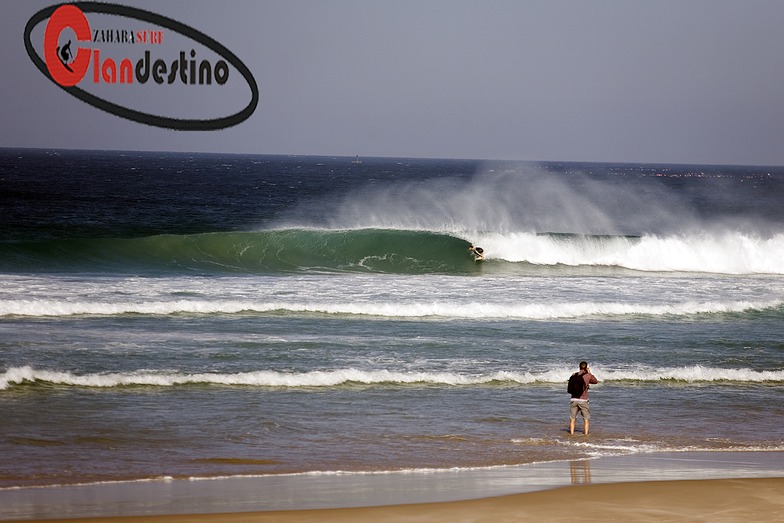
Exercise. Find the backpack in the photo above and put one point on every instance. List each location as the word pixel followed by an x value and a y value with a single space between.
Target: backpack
pixel 576 385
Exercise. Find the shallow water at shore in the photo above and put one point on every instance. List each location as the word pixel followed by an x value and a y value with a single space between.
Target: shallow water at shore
pixel 318 491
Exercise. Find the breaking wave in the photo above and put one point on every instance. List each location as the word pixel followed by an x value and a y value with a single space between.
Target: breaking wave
pixel 396 309
pixel 17 376
pixel 397 252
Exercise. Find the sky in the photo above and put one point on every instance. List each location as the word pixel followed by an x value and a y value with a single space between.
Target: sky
pixel 649 81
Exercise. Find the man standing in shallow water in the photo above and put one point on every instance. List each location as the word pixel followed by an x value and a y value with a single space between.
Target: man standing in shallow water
pixel 579 403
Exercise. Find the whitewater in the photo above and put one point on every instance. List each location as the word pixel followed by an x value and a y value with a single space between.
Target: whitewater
pixel 338 377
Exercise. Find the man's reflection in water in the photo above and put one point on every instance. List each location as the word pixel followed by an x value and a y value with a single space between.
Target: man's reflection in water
pixel 580 471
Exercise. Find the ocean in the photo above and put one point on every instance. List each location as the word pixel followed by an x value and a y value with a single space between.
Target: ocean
pixel 172 315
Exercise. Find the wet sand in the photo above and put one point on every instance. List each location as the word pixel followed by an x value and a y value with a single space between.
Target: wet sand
pixel 724 500
pixel 700 486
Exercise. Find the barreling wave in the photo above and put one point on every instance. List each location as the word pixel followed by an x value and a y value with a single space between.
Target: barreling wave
pixel 260 252
pixel 398 251
pixel 18 376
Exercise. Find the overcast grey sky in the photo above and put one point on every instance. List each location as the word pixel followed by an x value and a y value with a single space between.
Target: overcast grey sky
pixel 682 81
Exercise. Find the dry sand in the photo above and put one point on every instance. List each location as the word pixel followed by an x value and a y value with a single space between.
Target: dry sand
pixel 721 500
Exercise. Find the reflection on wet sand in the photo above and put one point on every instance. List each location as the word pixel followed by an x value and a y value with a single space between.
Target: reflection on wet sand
pixel 580 471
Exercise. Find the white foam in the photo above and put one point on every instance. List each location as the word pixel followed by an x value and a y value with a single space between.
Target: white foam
pixel 727 252
pixel 391 309
pixel 694 374
pixel 337 377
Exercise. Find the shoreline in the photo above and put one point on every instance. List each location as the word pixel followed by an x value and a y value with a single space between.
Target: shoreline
pixel 317 496
pixel 719 500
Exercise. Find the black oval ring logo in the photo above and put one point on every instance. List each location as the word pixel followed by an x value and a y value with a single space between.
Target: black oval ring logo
pixel 131 114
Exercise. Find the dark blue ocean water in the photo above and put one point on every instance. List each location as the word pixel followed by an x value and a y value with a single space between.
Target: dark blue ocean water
pixel 176 315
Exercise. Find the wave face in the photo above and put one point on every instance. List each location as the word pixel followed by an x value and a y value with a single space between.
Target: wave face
pixel 271 251
pixel 397 252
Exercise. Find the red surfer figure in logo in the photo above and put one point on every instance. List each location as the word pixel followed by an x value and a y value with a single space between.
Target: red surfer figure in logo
pixel 67 68
pixel 65 55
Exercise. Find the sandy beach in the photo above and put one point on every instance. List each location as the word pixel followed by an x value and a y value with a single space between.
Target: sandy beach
pixel 703 500
pixel 685 486
pixel 724 500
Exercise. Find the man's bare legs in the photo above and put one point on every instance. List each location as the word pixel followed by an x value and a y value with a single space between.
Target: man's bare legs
pixel 586 426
